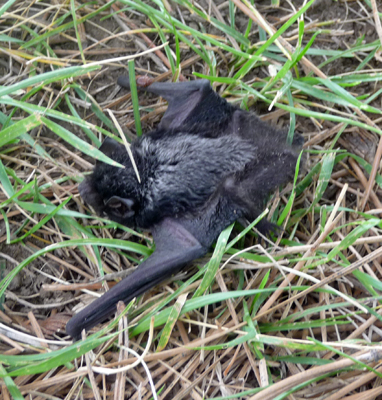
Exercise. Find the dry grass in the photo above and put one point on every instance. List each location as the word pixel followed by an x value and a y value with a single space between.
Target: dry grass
pixel 297 317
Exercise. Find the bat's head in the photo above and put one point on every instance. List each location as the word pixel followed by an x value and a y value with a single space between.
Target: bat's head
pixel 113 191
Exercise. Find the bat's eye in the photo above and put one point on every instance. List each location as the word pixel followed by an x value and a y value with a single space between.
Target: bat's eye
pixel 120 207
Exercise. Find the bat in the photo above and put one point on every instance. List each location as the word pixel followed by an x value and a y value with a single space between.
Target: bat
pixel 206 165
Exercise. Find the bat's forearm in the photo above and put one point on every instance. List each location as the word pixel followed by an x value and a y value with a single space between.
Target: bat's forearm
pixel 100 309
pixel 176 248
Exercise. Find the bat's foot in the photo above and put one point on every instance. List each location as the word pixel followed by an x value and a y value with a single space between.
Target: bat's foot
pixel 267 228
pixel 298 140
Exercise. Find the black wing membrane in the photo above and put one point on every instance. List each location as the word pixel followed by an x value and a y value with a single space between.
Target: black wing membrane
pixel 175 248
pixel 193 107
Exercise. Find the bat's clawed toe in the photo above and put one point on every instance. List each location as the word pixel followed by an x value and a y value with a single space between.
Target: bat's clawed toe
pixel 298 141
pixel 267 228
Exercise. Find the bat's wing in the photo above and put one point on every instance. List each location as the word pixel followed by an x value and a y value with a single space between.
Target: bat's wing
pixel 193 106
pixel 175 248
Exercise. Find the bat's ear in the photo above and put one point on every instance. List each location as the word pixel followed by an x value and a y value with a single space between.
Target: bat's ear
pixel 119 207
pixel 109 146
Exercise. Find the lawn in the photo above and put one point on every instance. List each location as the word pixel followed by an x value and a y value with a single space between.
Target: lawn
pixel 292 316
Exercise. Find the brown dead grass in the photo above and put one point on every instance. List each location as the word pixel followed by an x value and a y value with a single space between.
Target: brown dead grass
pixel 41 302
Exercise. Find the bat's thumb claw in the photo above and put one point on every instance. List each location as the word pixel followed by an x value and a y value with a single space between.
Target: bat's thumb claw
pixel 142 81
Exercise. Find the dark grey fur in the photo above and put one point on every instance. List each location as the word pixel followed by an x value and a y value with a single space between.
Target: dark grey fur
pixel 205 166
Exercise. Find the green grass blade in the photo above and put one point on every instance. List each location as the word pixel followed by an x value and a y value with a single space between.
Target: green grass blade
pixel 11 133
pixel 134 98
pixel 77 143
pixel 214 263
pixel 6 5
pixel 171 321
pixel 10 384
pixel 47 77
pixel 112 243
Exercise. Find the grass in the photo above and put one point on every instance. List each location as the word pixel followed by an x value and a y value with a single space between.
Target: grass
pixel 297 316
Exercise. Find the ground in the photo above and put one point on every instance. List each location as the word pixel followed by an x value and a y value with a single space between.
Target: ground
pixel 318 337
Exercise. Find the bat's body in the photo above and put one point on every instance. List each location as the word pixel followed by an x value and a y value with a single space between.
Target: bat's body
pixel 205 166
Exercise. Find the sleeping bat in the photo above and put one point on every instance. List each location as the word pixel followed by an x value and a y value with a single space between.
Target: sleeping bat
pixel 206 165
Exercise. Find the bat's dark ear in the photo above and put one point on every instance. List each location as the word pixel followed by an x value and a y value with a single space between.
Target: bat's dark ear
pixel 109 146
pixel 90 195
pixel 119 207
